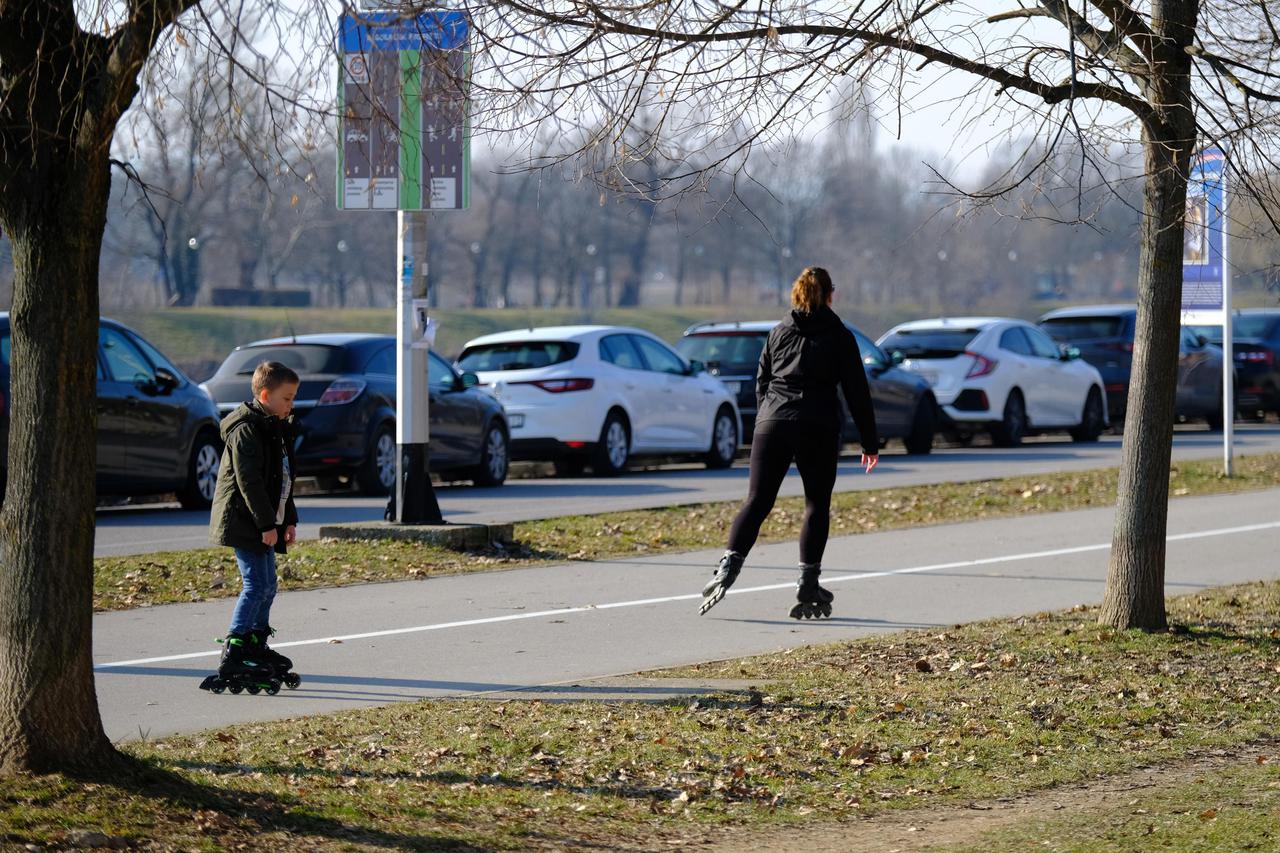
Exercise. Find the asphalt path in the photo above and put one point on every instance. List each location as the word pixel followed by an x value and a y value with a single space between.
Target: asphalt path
pixel 548 631
pixel 146 529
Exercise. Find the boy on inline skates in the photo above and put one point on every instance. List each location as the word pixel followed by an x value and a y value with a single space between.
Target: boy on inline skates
pixel 254 513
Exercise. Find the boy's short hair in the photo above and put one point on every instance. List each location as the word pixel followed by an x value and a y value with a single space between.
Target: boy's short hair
pixel 270 375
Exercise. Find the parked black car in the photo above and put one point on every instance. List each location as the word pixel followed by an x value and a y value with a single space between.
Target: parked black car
pixel 1104 335
pixel 904 404
pixel 1255 343
pixel 157 431
pixel 346 410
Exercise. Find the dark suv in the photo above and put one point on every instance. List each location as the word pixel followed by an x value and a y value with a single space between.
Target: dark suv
pixel 1104 335
pixel 1255 341
pixel 157 431
pixel 346 410
pixel 904 405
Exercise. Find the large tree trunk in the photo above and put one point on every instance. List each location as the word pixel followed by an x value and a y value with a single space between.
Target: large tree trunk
pixel 1135 580
pixel 49 717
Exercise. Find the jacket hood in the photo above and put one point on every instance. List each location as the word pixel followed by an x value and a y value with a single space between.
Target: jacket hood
pixel 250 412
pixel 822 320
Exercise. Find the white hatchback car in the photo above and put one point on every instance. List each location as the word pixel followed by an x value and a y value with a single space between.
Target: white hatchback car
pixel 601 395
pixel 1003 375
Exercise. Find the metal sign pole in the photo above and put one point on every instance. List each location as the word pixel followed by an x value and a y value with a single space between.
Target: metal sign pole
pixel 1228 357
pixel 415 497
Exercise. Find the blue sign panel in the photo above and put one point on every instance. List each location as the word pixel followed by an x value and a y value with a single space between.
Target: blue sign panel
pixel 365 33
pixel 1202 246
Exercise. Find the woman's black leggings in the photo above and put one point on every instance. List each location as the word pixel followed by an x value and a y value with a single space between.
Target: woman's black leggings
pixel 816 452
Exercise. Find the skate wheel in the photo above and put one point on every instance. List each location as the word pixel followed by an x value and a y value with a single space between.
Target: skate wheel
pixel 217 688
pixel 273 689
pixel 711 601
pixel 253 689
pixel 236 689
pixel 292 680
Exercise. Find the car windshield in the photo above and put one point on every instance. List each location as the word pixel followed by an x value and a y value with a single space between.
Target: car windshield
pixel 516 355
pixel 1252 326
pixel 302 358
pixel 736 351
pixel 1072 329
pixel 929 343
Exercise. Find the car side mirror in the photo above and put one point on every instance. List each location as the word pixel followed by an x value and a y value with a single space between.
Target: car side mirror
pixel 470 380
pixel 165 381
pixel 696 367
pixel 897 357
pixel 1070 353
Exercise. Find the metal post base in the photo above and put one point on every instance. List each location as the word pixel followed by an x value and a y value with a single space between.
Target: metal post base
pixel 415 497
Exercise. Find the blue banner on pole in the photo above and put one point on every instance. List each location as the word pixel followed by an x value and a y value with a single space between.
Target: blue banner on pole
pixel 364 33
pixel 1202 247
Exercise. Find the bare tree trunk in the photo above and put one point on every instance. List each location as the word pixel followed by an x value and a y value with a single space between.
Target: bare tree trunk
pixel 1135 579
pixel 49 716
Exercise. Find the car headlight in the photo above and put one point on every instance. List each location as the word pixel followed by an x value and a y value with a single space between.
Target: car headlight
pixel 735 387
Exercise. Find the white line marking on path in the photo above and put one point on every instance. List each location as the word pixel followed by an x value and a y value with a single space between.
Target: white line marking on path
pixel 641 602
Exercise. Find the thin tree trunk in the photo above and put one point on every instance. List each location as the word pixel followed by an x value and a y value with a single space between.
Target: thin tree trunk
pixel 49 716
pixel 1135 579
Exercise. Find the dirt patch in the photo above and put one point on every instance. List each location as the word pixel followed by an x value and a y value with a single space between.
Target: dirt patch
pixel 937 828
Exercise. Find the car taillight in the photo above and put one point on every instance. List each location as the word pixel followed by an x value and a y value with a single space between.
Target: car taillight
pixel 560 386
pixel 982 366
pixel 1256 356
pixel 341 391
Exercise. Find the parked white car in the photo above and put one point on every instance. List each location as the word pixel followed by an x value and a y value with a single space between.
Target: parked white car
pixel 601 395
pixel 1003 375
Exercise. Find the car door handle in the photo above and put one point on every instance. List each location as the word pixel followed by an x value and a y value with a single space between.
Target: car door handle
pixel 630 386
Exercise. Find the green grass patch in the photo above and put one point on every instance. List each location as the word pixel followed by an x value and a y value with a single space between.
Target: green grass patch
pixel 829 733
pixel 169 577
pixel 1236 808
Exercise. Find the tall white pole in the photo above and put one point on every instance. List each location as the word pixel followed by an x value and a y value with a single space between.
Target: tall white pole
pixel 1228 357
pixel 415 498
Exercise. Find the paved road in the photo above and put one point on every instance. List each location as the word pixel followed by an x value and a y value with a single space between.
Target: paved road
pixel 156 528
pixel 530 629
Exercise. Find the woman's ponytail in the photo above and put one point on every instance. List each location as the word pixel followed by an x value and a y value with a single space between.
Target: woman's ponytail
pixel 811 290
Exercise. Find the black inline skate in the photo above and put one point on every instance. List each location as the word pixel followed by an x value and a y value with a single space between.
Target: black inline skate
pixel 812 601
pixel 282 665
pixel 726 574
pixel 242 669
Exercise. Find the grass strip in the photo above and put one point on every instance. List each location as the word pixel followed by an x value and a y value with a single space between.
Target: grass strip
pixel 195 575
pixel 828 733
pixel 1236 808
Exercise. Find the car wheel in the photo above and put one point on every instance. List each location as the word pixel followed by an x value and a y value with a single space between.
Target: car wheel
pixel 202 472
pixel 724 440
pixel 378 473
pixel 1013 426
pixel 923 425
pixel 1091 425
pixel 494 458
pixel 614 447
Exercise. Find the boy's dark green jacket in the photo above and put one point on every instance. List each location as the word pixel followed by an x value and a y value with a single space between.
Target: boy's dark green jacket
pixel 250 478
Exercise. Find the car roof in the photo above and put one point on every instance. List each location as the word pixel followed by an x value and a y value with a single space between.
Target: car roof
pixel 731 326
pixel 1090 311
pixel 334 339
pixel 563 333
pixel 953 323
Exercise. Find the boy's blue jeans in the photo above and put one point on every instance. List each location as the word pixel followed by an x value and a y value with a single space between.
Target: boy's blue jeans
pixel 253 607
